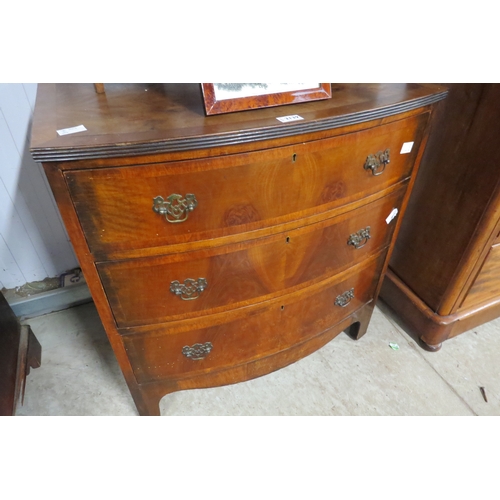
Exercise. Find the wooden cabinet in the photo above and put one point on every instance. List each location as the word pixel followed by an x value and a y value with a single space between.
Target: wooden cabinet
pixel 444 275
pixel 19 352
pixel 218 249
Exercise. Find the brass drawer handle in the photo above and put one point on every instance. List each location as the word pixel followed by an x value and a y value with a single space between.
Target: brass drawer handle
pixel 197 351
pixel 190 289
pixel 343 299
pixel 359 239
pixel 377 162
pixel 175 208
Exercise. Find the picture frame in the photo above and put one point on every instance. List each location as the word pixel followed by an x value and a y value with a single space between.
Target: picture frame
pixel 231 97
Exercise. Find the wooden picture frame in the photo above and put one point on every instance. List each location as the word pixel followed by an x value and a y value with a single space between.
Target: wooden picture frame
pixel 230 97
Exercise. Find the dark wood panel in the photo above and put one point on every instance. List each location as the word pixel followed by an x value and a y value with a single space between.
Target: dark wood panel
pixel 139 290
pixel 434 253
pixel 19 351
pixel 10 337
pixel 239 193
pixel 277 327
pixel 423 324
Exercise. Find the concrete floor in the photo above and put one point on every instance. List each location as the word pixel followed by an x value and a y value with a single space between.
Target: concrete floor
pixel 80 376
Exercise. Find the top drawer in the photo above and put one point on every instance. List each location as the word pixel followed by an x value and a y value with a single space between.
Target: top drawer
pixel 235 193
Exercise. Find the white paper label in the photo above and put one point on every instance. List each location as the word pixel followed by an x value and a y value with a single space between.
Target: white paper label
pixel 72 130
pixel 289 118
pixel 392 215
pixel 406 148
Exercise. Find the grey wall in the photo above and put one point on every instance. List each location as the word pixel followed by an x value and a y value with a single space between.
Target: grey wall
pixel 33 242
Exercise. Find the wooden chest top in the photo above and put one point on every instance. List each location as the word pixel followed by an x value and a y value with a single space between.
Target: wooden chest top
pixel 140 119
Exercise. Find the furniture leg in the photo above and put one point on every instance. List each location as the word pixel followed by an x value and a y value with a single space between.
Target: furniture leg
pixel 359 327
pixel 147 402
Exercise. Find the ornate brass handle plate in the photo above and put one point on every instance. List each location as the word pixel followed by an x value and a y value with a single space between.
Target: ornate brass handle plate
pixel 175 208
pixel 343 299
pixel 197 351
pixel 377 162
pixel 190 289
pixel 359 239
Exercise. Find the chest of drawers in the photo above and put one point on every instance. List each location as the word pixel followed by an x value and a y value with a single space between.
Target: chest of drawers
pixel 444 275
pixel 218 249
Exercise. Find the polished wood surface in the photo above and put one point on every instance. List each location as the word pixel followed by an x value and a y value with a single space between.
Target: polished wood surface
pixel 133 119
pixel 276 207
pixel 453 215
pixel 115 205
pixel 487 282
pixel 19 352
pixel 237 275
pixel 429 329
pixel 214 105
pixel 272 327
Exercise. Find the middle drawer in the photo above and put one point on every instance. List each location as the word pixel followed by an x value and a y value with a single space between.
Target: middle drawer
pixel 179 286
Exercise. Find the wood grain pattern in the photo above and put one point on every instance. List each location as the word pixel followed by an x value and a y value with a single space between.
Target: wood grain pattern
pixel 214 106
pixel 429 329
pixel 275 327
pixel 139 290
pixel 453 219
pixel 459 177
pixel 276 206
pixel 134 119
pixel 153 391
pixel 252 191
pixel 487 283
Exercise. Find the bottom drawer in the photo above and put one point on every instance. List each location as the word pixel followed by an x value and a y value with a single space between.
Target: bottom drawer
pixel 264 330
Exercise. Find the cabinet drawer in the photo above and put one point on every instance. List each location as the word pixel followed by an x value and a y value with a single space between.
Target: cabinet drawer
pixel 154 290
pixel 236 193
pixel 487 283
pixel 274 327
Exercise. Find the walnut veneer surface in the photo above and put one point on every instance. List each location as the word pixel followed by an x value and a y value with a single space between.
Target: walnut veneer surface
pixel 444 275
pixel 218 249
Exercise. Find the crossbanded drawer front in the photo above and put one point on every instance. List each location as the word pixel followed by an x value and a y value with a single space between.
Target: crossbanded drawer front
pixel 274 327
pixel 129 208
pixel 160 289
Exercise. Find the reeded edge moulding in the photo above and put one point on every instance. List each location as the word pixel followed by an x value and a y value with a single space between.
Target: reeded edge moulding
pixel 230 97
